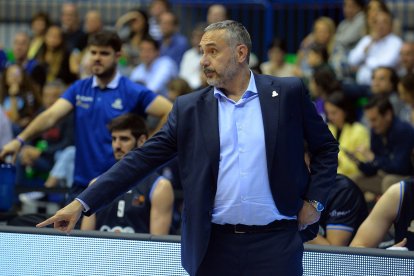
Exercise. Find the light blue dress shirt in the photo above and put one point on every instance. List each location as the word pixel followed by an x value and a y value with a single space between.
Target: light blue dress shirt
pixel 243 192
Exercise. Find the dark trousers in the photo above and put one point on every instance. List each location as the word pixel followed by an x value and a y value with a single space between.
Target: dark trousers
pixel 274 253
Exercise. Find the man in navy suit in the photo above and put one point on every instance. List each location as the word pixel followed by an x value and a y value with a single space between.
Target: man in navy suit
pixel 240 146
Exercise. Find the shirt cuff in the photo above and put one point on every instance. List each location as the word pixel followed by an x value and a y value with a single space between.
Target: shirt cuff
pixel 85 206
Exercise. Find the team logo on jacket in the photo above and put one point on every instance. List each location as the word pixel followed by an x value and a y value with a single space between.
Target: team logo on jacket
pixel 117 104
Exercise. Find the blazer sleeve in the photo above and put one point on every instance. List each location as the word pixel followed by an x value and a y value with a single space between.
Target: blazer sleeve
pixel 323 149
pixel 134 167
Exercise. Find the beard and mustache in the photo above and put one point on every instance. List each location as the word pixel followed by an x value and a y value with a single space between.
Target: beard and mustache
pixel 220 79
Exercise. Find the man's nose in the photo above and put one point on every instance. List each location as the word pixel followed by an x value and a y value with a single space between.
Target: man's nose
pixel 204 61
pixel 116 144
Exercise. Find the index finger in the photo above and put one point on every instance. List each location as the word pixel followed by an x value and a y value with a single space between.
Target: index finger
pixel 48 221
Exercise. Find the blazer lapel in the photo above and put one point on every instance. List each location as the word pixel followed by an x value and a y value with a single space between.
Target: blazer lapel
pixel 269 97
pixel 208 112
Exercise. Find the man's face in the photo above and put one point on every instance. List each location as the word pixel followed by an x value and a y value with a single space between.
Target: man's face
pixel 216 13
pixel 93 22
pixel 407 56
pixel 20 46
pixel 219 62
pixel 381 81
pixel 350 9
pixel 167 24
pixel 383 25
pixel 379 123
pixel 122 142
pixel 69 17
pixel 147 52
pixel 104 60
pixel 405 95
pixel 157 8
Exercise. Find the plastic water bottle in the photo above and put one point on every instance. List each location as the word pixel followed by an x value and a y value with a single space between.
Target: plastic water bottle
pixel 7 183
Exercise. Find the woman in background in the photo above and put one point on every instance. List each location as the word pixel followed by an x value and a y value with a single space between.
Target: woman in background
pixel 351 135
pixel 19 97
pixel 55 57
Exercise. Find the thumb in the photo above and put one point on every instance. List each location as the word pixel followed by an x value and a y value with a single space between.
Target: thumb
pixel 401 243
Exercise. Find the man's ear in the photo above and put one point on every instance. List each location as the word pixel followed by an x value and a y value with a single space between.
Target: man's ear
pixel 141 140
pixel 242 52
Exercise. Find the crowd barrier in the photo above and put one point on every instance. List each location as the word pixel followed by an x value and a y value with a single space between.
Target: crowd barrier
pixel 33 251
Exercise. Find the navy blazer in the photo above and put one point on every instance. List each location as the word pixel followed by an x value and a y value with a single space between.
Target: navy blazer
pixel 192 134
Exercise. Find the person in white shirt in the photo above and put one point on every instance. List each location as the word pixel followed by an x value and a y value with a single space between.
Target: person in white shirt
pixel 155 71
pixel 380 48
pixel 190 69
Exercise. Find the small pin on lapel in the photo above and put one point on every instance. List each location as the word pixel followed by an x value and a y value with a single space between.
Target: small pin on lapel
pixel 275 94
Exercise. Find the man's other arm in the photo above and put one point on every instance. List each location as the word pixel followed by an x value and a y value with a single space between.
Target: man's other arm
pixel 160 107
pixel 373 229
pixel 333 237
pixel 161 208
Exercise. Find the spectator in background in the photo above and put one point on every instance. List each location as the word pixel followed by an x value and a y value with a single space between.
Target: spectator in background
pixel 155 71
pixel 79 62
pixel 406 58
pixel 156 8
pixel 379 48
pixel 373 8
pixel 406 92
pixel 73 35
pixel 349 31
pixel 395 207
pixel 19 97
pixel 277 66
pixel 135 22
pixel 177 87
pixel 173 44
pixel 190 68
pixel 37 159
pixel 389 157
pixel 322 84
pixel 146 208
pixel 216 13
pixel 93 22
pixel 55 56
pixel 32 67
pixel 342 122
pixel 317 58
pixel 6 133
pixel 385 81
pixel 39 24
pixel 323 33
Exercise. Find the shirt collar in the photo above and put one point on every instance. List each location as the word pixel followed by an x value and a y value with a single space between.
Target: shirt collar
pixel 112 84
pixel 251 89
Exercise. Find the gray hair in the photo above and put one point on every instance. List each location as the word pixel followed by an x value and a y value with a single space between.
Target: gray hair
pixel 236 33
